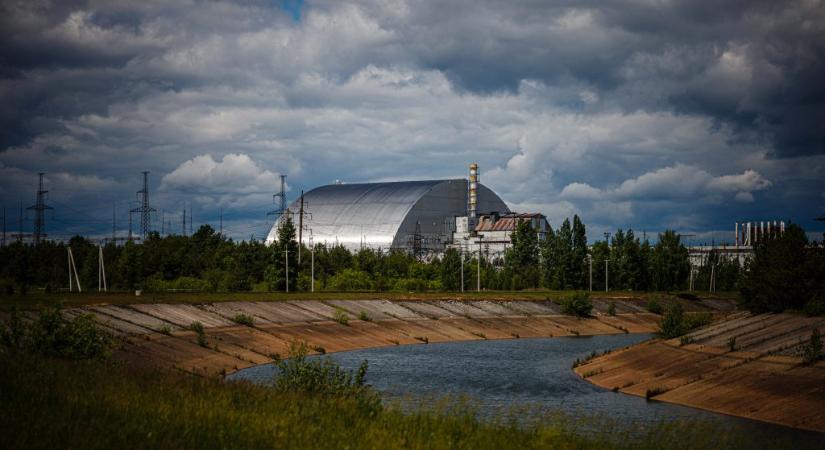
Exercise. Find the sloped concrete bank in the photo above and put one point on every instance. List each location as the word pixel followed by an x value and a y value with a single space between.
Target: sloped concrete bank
pixel 746 366
pixel 160 334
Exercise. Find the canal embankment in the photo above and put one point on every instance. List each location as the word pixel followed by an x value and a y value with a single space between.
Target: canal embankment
pixel 235 335
pixel 747 366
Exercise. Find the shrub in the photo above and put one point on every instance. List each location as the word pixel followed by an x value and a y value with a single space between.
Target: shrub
pixel 812 351
pixel 52 335
pixel 165 329
pixel 350 280
pixel 197 327
pixel 732 344
pixel 655 307
pixel 650 393
pixel 243 319
pixel 578 305
pixel 673 323
pixel 411 285
pixel 323 377
pixel 340 316
pixel 611 309
pixel 364 316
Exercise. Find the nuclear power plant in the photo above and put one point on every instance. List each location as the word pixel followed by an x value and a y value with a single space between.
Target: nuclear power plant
pixel 422 217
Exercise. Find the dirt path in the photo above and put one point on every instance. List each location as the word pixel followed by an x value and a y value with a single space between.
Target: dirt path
pixel 746 366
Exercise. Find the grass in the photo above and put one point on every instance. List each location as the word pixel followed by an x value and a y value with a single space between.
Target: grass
pixel 36 299
pixel 51 403
pixel 340 316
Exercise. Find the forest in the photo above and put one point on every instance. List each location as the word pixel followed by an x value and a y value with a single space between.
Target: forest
pixel 207 261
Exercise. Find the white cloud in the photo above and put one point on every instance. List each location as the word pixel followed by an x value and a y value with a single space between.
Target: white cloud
pixel 236 173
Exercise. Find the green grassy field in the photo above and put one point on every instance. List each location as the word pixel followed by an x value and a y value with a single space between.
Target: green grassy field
pixel 51 403
pixel 37 299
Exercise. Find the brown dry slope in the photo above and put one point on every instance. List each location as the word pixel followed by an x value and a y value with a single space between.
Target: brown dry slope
pixel 746 366
pixel 160 334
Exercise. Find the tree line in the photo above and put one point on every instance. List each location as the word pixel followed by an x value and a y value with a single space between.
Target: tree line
pixel 209 261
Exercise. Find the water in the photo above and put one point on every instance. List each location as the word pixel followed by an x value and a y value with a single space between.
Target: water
pixel 535 374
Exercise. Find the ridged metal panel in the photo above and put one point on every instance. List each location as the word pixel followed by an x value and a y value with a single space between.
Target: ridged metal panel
pixel 382 215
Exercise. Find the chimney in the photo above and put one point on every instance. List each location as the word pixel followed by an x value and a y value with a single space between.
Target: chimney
pixel 472 200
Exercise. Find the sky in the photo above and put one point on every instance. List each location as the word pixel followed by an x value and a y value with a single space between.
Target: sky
pixel 651 115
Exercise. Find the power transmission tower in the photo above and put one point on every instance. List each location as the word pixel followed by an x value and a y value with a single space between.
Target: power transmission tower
pixel 183 230
pixel 39 208
pixel 144 209
pixel 281 196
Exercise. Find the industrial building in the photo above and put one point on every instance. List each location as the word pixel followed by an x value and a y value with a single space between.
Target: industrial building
pixel 492 233
pixel 415 216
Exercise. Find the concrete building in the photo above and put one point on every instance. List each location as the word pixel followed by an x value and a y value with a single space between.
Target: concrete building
pixel 492 233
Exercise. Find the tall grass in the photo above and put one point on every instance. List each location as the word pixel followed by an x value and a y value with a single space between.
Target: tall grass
pixel 92 404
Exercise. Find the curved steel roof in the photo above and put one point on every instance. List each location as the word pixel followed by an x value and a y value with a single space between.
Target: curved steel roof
pixel 385 215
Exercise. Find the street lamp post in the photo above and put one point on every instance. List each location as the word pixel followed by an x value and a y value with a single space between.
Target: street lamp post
pixel 286 272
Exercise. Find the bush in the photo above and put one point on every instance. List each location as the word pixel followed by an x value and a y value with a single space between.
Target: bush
pixel 812 351
pixel 323 377
pixel 364 316
pixel 243 319
pixel 655 307
pixel 340 316
pixel 676 323
pixel 673 323
pixel 578 305
pixel 197 327
pixel 411 285
pixel 350 280
pixel 157 284
pixel 611 309
pixel 52 335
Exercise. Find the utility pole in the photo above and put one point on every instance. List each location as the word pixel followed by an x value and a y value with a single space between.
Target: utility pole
pixel 73 267
pixel 478 275
pixel 39 208
pixel 183 230
pixel 130 225
pixel 191 220
pixel 312 264
pixel 590 261
pixel 221 233
pixel 300 227
pixel 114 223
pixel 101 270
pixel 605 274
pixel 144 209
pixel 712 286
pixel 20 223
pixel 462 268
pixel 286 272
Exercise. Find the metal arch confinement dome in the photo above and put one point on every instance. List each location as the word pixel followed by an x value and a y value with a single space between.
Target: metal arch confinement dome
pixel 387 215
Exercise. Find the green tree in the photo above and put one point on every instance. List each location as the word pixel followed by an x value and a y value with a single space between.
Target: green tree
pixel 283 250
pixel 670 265
pixel 783 273
pixel 522 258
pixel 578 255
pixel 451 270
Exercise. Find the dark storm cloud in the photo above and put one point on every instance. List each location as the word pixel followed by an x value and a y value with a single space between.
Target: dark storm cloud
pixel 561 102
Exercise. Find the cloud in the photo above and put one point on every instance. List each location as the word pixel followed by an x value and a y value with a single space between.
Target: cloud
pixel 236 173
pixel 644 103
pixel 677 182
